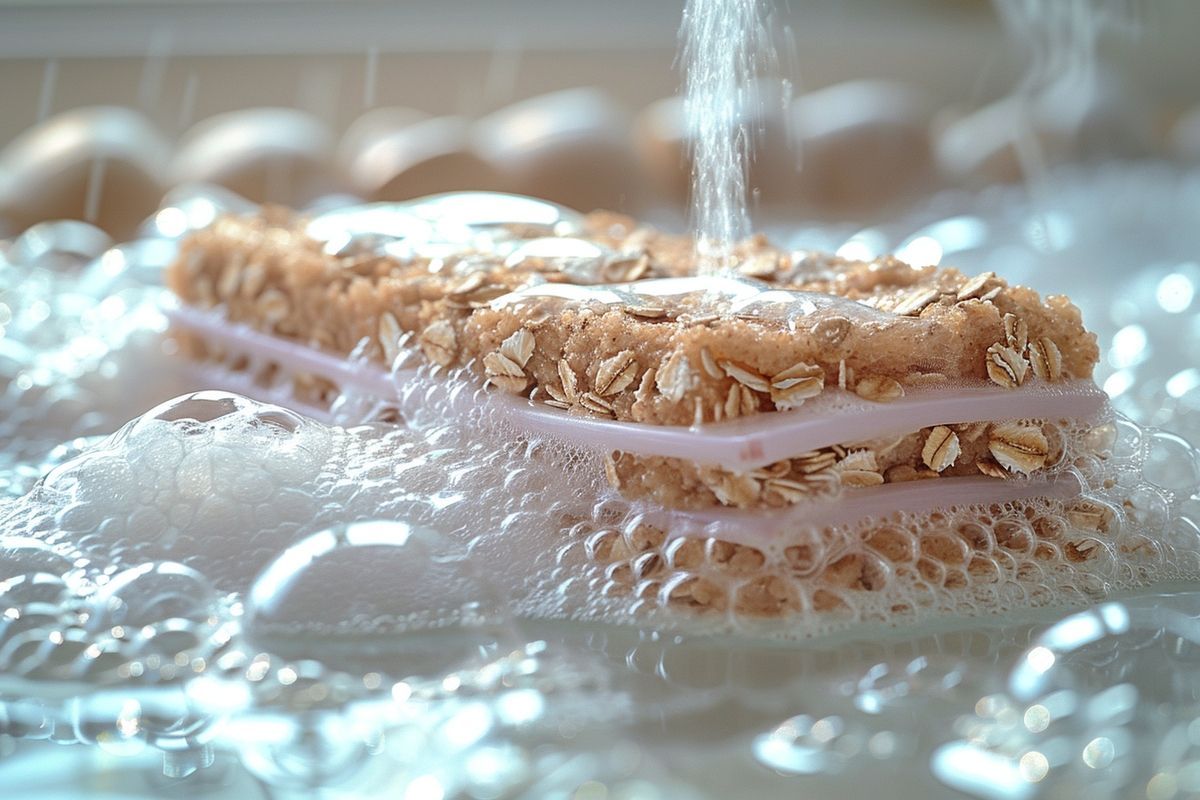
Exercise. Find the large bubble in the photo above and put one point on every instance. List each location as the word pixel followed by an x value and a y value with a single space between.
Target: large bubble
pixel 400 596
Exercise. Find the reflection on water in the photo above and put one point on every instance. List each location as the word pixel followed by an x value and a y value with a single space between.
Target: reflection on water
pixel 1102 704
pixel 123 636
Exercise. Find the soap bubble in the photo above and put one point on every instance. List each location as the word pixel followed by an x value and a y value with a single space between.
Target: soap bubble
pixel 323 750
pixel 199 407
pixel 150 593
pixel 395 595
pixel 186 482
pixel 23 555
pixel 30 588
pixel 61 244
pixel 193 206
pixel 1172 463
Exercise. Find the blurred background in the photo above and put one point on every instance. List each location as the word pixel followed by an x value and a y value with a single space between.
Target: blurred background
pixel 107 104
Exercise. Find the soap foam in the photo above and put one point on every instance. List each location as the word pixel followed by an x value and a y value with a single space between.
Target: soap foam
pixel 223 484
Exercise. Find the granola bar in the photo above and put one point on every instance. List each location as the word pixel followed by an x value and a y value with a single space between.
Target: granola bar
pixel 605 322
pixel 602 318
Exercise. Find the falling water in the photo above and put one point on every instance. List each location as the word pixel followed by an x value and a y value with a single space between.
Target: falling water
pixel 725 45
pixel 187 101
pixel 46 96
pixel 371 77
pixel 95 189
pixel 154 69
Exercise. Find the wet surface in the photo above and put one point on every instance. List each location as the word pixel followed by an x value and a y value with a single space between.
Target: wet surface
pixel 172 589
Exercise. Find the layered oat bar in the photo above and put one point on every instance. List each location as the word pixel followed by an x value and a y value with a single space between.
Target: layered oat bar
pixel 605 322
pixel 602 320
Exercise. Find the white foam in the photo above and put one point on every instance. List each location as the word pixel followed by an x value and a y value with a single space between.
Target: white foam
pixel 224 485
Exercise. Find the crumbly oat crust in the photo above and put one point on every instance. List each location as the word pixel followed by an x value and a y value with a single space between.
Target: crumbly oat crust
pixel 673 360
pixel 999 450
pixel 670 361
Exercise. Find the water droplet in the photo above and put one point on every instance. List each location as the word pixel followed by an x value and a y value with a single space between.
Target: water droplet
pixel 1033 766
pixel 1099 752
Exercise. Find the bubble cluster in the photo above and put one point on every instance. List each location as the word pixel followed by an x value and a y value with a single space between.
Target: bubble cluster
pixel 350 603
pixel 225 485
pixel 1075 719
pixel 196 476
pixel 1133 523
pixel 79 339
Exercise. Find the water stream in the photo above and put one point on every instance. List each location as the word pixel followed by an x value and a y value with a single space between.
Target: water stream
pixel 725 47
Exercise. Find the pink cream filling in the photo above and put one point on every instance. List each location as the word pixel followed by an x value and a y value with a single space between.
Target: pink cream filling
pixel 834 417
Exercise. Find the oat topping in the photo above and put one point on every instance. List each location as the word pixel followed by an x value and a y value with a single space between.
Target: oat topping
pixel 610 471
pixel 624 270
pixel 990 468
pixel 646 312
pixel 879 389
pixel 254 278
pixel 518 347
pixel 1019 446
pixel 615 374
pixel 858 468
pixel 570 383
pixel 230 280
pixel 997 450
pixel 274 307
pixel 390 334
pixel 1016 333
pixel 941 449
pixel 595 403
pixel 675 377
pixel 970 431
pixel 747 377
pixel 710 364
pixel 1006 366
pixel 789 492
pixel 439 343
pixel 791 392
pixel 763 265
pixel 739 402
pixel 1045 359
pixel 976 286
pixel 646 388
pixel 815 461
pixel 505 373
pixel 917 302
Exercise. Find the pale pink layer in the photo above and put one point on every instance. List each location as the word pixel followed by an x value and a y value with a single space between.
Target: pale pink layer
pixel 835 417
pixel 763 527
